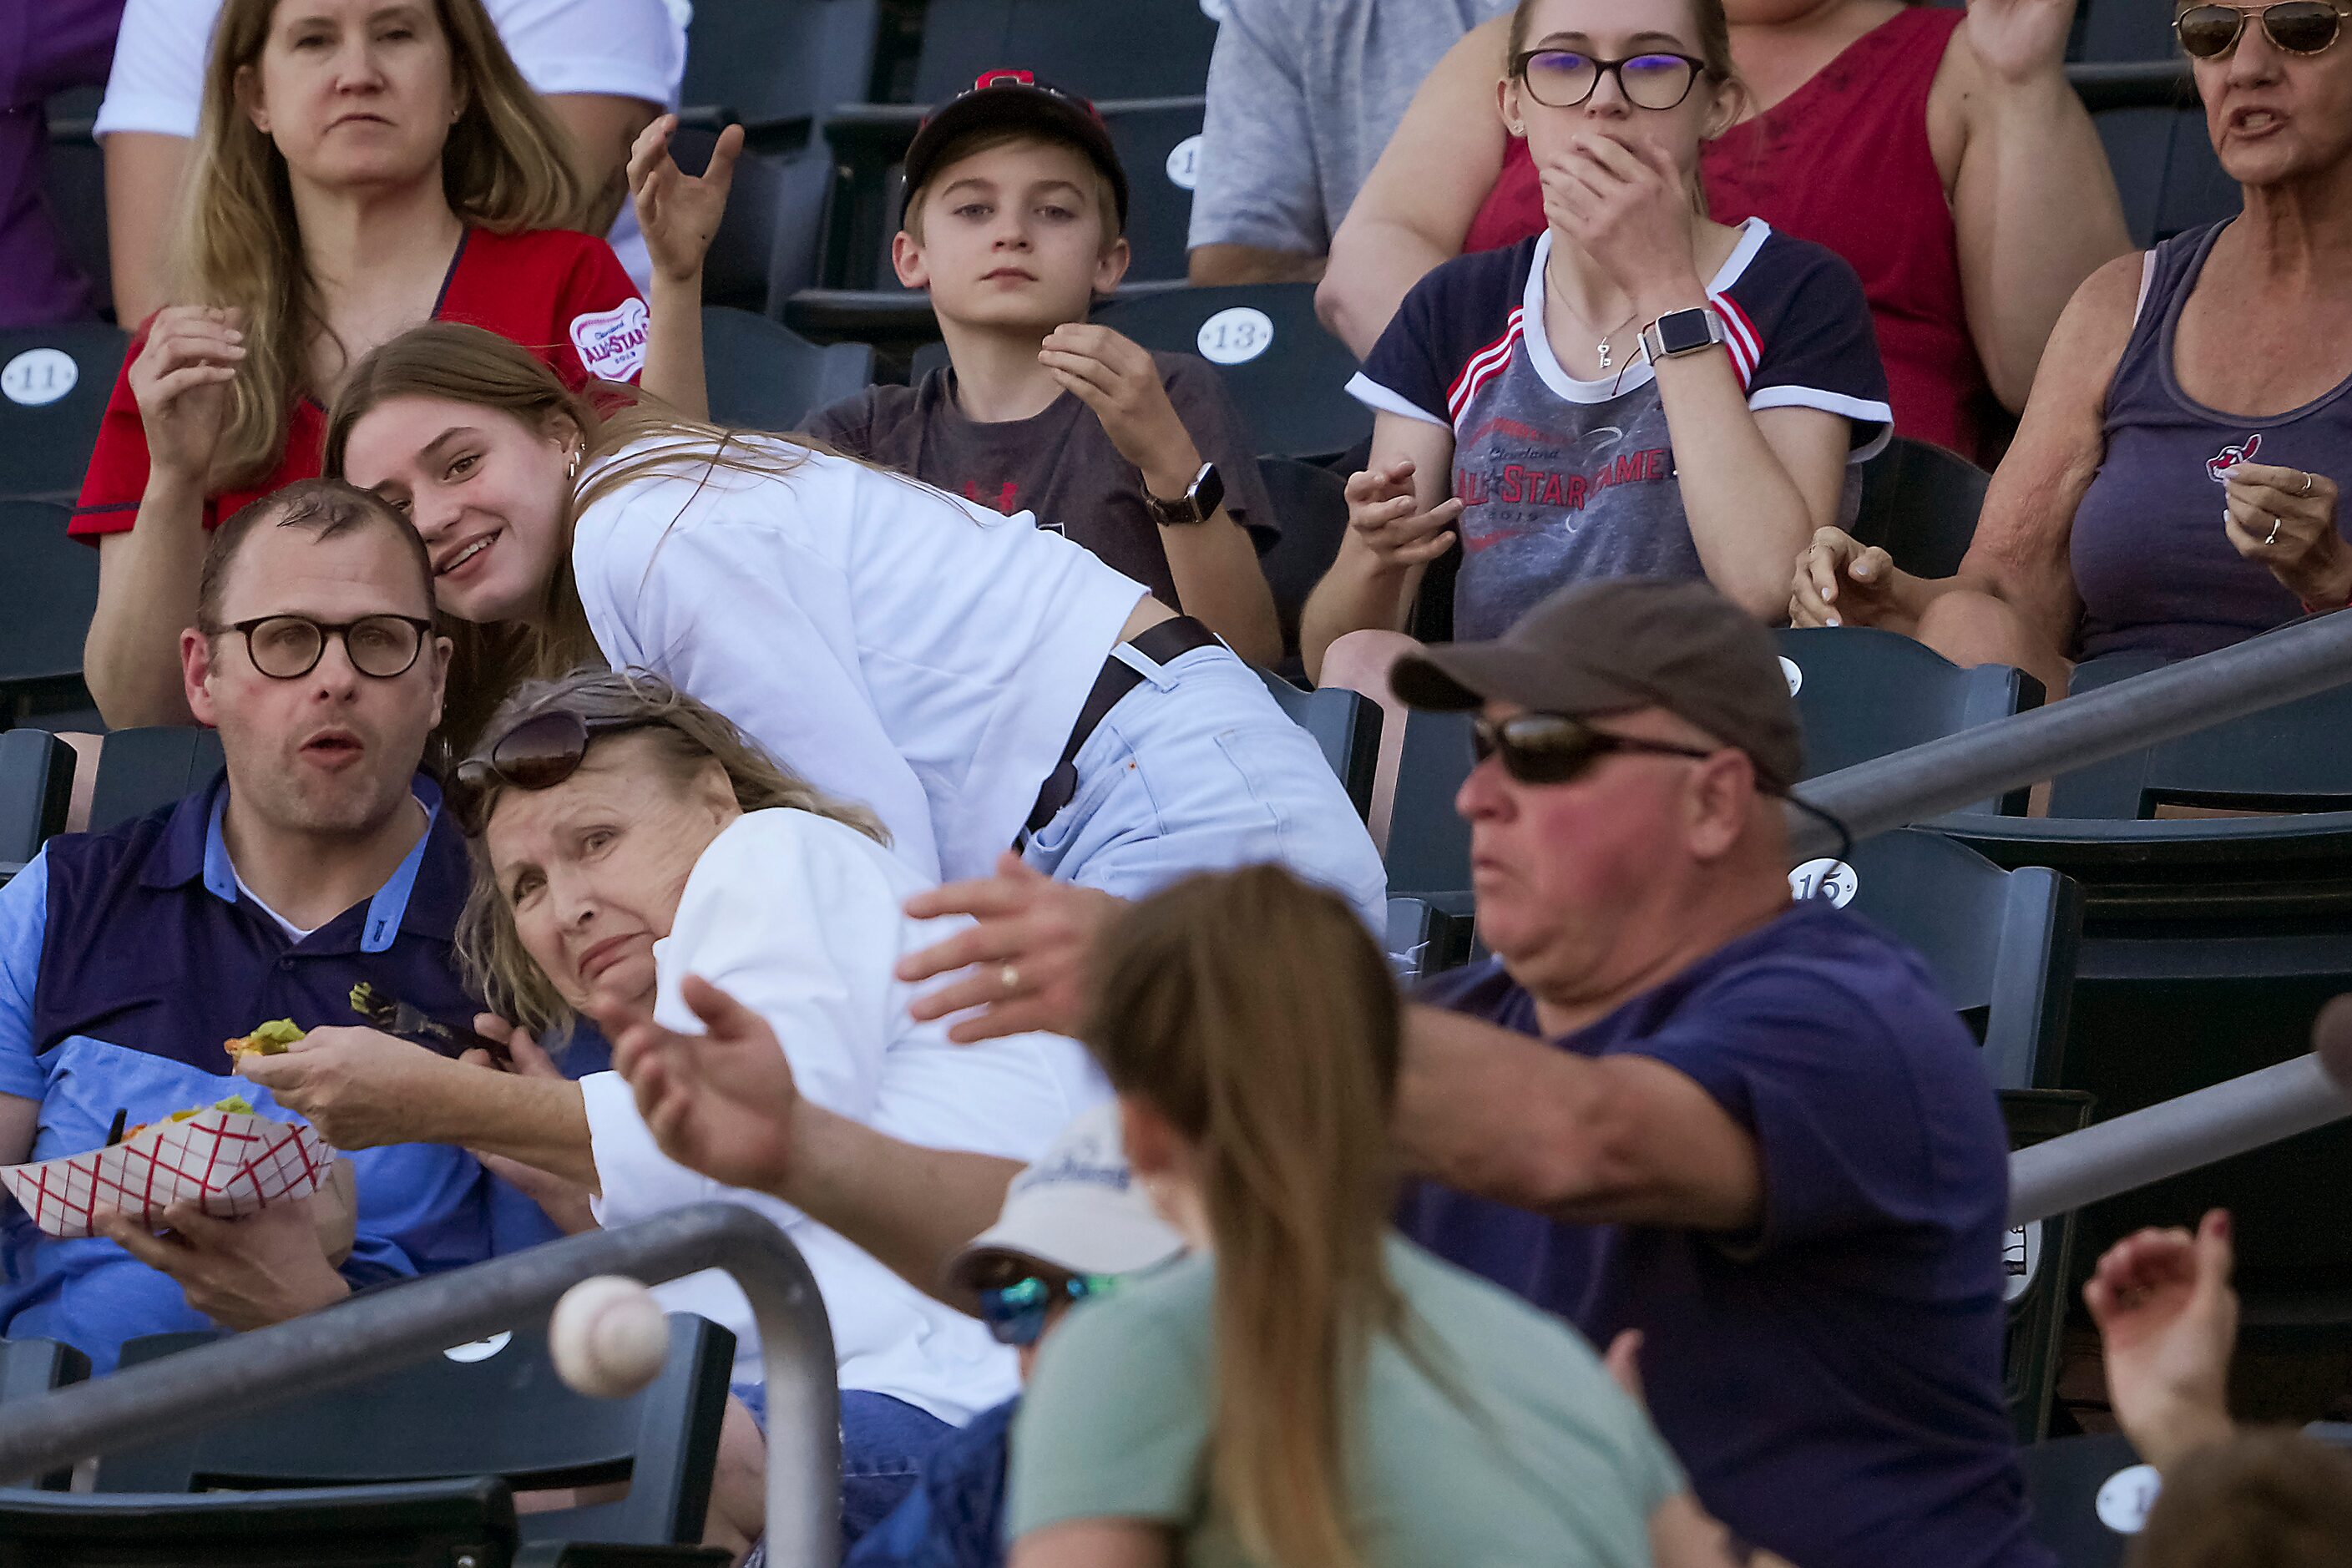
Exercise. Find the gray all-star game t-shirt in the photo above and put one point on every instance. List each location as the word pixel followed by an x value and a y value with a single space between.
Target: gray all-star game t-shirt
pixel 1564 481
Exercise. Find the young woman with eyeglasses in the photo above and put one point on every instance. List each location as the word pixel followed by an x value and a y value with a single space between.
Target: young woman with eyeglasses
pixel 2173 486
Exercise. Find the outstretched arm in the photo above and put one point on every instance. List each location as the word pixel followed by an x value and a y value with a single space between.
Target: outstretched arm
pixel 679 215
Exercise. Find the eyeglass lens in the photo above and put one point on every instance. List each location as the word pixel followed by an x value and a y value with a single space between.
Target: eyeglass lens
pixel 2298 26
pixel 287 647
pixel 1564 78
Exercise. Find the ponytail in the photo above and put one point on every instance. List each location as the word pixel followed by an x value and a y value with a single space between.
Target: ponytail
pixel 1255 1015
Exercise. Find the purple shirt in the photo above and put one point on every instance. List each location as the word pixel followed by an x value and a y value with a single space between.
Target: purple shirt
pixel 2153 563
pixel 45 48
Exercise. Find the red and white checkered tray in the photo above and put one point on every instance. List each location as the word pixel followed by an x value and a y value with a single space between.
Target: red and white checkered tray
pixel 230 1163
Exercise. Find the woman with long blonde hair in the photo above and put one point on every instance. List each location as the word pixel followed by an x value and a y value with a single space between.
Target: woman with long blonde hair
pixel 361 167
pixel 1307 1389
pixel 973 677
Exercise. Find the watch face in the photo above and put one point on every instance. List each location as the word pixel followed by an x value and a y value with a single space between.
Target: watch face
pixel 1208 491
pixel 1680 331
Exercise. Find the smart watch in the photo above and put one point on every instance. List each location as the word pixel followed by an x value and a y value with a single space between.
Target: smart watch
pixel 1197 504
pixel 1680 332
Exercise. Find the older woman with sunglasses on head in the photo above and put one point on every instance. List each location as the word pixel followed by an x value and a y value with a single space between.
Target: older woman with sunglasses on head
pixel 636 858
pixel 2173 487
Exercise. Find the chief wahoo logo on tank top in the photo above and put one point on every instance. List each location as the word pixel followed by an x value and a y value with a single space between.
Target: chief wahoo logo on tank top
pixel 2229 457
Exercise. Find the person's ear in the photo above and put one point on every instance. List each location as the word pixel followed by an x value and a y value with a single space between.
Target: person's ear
pixel 714 792
pixel 443 651
pixel 1506 103
pixel 906 260
pixel 195 675
pixel 1728 101
pixel 1721 798
pixel 248 87
pixel 1111 265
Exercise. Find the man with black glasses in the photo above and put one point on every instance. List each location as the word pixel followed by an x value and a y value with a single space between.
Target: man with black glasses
pixel 319 861
pixel 1676 1101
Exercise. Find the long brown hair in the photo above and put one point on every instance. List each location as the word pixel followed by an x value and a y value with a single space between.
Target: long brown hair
pixel 502 168
pixel 686 734
pixel 1255 1013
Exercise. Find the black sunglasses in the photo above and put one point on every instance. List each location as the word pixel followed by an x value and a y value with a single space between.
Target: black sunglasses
pixel 1565 79
pixel 288 648
pixel 538 754
pixel 1553 748
pixel 2298 26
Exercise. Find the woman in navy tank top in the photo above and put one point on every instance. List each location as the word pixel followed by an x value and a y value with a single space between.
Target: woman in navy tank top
pixel 2174 487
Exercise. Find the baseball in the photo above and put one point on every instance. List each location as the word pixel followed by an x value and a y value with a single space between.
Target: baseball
pixel 608 1337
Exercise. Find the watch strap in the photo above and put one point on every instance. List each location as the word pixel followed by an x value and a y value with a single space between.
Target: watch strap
pixel 1695 330
pixel 1198 502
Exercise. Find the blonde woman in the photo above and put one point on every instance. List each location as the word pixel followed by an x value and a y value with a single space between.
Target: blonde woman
pixel 360 167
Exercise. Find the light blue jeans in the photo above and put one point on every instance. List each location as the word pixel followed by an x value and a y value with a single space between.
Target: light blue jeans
pixel 1197 769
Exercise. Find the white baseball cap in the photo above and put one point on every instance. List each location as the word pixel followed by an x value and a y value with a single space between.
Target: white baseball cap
pixel 1078 1209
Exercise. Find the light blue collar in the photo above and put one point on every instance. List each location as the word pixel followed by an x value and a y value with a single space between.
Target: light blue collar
pixel 383 911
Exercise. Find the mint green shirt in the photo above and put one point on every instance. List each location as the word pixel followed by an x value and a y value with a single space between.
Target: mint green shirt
pixel 1521 1452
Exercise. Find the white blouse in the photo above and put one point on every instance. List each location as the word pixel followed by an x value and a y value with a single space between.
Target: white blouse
pixel 798 917
pixel 888 642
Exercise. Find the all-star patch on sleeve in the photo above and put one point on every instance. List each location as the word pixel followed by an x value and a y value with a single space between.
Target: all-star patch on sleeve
pixel 1799 333
pixel 1454 330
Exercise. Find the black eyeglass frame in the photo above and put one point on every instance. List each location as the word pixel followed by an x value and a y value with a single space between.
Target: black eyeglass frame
pixel 1488 738
pixel 340 630
pixel 1609 68
pixel 2263 13
pixel 471 781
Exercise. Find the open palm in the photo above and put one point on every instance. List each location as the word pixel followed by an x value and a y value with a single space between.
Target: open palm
pixel 677 211
pixel 721 1102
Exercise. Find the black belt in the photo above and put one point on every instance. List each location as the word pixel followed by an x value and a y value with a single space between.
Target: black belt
pixel 1169 640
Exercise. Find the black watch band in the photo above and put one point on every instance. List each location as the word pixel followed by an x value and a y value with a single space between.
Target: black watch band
pixel 1197 504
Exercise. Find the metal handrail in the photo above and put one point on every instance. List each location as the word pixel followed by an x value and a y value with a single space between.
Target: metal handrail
pixel 2196 1129
pixel 359 1338
pixel 1871 797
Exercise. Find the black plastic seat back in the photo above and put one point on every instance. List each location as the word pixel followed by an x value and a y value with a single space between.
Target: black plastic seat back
pixel 419 1524
pixel 54 383
pixel 1919 503
pixel 2039 1259
pixel 48 590
pixel 1286 375
pixel 764 376
pixel 1346 726
pixel 1159 142
pixel 500 1411
pixel 142 770
pixel 29 1369
pixel 2072 1482
pixel 1430 935
pixel 1138 48
pixel 772 63
pixel 2166 170
pixel 37 773
pixel 1311 503
pixel 1429 844
pixel 1864 693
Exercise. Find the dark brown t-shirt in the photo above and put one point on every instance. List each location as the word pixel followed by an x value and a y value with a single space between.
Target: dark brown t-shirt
pixel 1059 464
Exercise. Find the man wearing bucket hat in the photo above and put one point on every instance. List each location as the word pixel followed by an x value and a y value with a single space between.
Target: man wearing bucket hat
pixel 1675 1100
pixel 1073 1225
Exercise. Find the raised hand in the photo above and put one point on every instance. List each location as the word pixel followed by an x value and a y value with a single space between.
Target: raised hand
pixel 1842 582
pixel 2019 40
pixel 1627 206
pixel 2167 1322
pixel 1116 377
pixel 1028 953
pixel 679 212
pixel 180 380
pixel 2284 519
pixel 723 1102
pixel 1384 517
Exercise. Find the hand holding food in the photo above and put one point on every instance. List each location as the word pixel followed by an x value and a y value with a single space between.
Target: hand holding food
pixel 269 1039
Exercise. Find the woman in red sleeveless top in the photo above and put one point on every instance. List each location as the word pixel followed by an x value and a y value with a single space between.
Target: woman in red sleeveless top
pixel 1940 153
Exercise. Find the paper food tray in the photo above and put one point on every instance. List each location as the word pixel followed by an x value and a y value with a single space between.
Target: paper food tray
pixel 228 1162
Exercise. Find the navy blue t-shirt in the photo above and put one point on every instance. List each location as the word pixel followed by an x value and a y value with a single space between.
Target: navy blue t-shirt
pixel 1832 1382
pixel 954 1517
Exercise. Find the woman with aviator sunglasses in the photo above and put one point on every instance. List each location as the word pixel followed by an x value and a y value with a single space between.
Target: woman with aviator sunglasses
pixel 2173 486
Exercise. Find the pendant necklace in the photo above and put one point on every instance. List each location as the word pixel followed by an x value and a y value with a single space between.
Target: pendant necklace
pixel 1603 344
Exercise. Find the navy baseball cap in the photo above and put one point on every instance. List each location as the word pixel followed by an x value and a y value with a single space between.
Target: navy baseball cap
pixel 1017 100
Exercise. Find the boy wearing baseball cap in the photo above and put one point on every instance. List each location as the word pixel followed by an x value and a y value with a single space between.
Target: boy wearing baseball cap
pixel 1015 208
pixel 1073 1225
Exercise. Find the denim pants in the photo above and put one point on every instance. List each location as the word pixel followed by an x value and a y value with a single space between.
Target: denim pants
pixel 884 1441
pixel 1196 769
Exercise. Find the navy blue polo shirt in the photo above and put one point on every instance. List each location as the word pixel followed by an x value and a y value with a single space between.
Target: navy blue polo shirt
pixel 127 958
pixel 1831 1383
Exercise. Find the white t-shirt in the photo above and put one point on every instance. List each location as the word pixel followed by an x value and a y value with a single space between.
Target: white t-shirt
pixel 885 640
pixel 798 917
pixel 610 48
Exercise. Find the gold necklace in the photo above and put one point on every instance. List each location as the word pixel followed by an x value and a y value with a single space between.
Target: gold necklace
pixel 1603 344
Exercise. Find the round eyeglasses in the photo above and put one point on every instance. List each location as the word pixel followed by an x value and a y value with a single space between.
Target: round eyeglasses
pixel 1564 78
pixel 288 648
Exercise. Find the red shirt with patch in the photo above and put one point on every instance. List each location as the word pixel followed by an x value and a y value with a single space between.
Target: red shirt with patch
pixel 561 295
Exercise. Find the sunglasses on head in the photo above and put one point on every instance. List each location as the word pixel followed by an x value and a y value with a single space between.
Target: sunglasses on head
pixel 1553 748
pixel 2297 26
pixel 538 754
pixel 1015 1313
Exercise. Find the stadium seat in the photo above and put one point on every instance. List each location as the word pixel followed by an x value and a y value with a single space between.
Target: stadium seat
pixel 1426 938
pixel 52 590
pixel 763 376
pixel 1159 142
pixel 2040 1260
pixel 1429 844
pixel 140 771
pixel 1862 693
pixel 493 1408
pixel 1919 503
pixel 1311 503
pixel 37 773
pixel 54 383
pixel 1345 724
pixel 776 66
pixel 1286 375
pixel 28 1369
pixel 766 246
pixel 2124 30
pixel 1139 48
pixel 2077 1486
pixel 2165 169
pixel 470 1521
